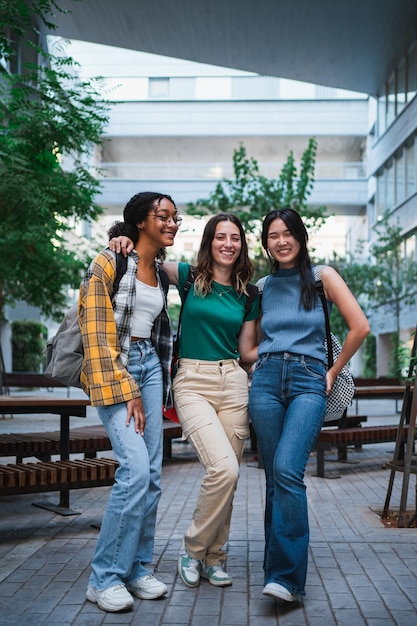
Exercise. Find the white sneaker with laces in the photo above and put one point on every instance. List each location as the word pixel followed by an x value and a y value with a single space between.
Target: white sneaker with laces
pixel 148 588
pixel 113 599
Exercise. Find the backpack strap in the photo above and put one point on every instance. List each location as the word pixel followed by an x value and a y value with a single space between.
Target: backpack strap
pixel 320 291
pixel 251 296
pixel 163 276
pixel 186 288
pixel 121 267
pixel 188 282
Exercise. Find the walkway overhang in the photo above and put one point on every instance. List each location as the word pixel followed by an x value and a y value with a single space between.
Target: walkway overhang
pixel 351 44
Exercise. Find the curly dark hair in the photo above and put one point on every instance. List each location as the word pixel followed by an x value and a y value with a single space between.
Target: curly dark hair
pixel 135 211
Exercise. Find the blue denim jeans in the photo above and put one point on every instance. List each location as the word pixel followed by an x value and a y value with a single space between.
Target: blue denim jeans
pixel 287 403
pixel 126 540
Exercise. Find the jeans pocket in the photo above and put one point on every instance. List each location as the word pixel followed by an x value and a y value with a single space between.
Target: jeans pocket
pixel 258 365
pixel 316 370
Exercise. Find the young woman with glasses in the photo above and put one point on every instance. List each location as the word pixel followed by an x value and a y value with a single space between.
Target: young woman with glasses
pixel 127 355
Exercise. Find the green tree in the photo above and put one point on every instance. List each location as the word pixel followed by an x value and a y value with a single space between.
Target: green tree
pixel 250 195
pixel 356 271
pixel 386 280
pixel 50 121
pixel 392 280
pixel 28 343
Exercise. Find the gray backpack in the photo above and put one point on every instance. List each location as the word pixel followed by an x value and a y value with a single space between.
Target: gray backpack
pixel 64 352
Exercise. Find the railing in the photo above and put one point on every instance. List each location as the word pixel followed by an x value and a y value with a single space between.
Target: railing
pixel 209 171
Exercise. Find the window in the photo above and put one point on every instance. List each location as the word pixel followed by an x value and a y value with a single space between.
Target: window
pixel 412 73
pixel 213 88
pixel 410 156
pixel 389 191
pixel 381 121
pixel 390 103
pixel 411 247
pixel 400 178
pixel 380 191
pixel 401 94
pixel 158 87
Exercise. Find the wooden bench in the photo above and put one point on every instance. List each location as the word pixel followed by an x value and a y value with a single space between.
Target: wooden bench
pixel 171 430
pixel 22 478
pixel 63 475
pixel 356 436
pixel 87 440
pixel 382 388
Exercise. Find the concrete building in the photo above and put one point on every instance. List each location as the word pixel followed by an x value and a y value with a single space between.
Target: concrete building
pixel 368 46
pixel 174 125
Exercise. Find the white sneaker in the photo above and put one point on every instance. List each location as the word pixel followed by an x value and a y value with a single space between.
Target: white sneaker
pixel 113 599
pixel 278 591
pixel 148 588
pixel 216 575
pixel 189 569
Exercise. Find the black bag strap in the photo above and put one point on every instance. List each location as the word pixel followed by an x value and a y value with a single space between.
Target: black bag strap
pixel 251 296
pixel 164 280
pixel 121 267
pixel 320 291
pixel 186 288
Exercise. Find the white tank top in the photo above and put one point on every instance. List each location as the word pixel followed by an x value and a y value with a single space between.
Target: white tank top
pixel 149 303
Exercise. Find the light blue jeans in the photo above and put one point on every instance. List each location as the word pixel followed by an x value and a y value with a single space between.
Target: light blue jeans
pixel 287 403
pixel 126 540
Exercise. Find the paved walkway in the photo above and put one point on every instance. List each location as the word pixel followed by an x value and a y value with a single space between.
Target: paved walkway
pixel 360 573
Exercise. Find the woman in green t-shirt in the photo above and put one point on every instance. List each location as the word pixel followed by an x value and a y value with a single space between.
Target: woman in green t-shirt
pixel 211 388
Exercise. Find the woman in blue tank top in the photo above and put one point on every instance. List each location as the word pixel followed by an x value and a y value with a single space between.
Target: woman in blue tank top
pixel 287 400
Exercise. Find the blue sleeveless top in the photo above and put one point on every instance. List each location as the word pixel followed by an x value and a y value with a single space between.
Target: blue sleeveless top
pixel 286 325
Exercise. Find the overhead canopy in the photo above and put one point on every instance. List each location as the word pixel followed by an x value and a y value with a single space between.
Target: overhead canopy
pixel 350 44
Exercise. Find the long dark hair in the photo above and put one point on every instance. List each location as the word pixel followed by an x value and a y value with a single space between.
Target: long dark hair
pixel 135 211
pixel 242 270
pixel 295 225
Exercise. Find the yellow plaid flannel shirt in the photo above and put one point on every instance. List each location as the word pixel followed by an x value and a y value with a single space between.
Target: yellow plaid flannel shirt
pixel 105 330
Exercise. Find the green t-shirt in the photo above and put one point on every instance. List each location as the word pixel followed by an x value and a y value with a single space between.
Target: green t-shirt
pixel 211 325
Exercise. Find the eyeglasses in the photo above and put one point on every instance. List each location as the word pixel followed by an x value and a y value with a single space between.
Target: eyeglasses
pixel 165 219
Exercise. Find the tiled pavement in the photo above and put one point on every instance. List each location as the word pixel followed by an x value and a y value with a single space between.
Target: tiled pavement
pixel 360 573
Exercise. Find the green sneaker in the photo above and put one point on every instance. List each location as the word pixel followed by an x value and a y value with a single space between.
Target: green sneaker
pixel 189 569
pixel 216 575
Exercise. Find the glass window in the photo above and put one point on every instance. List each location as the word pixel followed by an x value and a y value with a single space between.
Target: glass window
pixel 380 193
pixel 391 100
pixel 400 178
pixel 158 87
pixel 213 88
pixel 412 72
pixel 389 191
pixel 401 95
pixel 410 157
pixel 381 117
pixel 411 247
